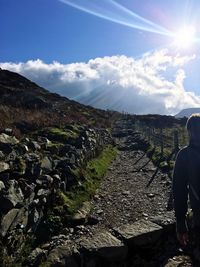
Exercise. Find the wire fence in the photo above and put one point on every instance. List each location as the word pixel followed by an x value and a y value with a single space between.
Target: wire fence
pixel 167 141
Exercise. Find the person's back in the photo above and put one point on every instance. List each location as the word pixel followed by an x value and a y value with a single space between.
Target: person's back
pixel 186 180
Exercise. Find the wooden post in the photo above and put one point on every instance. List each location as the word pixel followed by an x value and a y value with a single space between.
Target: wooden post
pixel 154 138
pixel 176 142
pixel 149 135
pixel 161 141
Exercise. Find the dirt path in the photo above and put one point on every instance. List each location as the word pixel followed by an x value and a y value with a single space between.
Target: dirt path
pixel 135 189
pixel 131 190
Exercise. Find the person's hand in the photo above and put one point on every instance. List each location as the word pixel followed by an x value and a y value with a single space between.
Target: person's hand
pixel 183 238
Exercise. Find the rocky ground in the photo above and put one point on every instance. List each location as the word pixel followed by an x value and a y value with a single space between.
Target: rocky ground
pixel 127 223
pixel 134 189
pixel 131 190
pixel 133 194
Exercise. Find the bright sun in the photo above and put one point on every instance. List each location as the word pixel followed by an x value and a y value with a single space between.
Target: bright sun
pixel 185 37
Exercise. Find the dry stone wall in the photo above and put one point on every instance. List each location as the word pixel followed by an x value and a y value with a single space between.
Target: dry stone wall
pixel 32 170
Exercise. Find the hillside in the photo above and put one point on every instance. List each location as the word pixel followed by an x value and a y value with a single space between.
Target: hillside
pixel 25 106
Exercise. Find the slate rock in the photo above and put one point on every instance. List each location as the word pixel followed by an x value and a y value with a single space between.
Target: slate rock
pixel 167 221
pixel 7 139
pixel 12 197
pixel 46 164
pixel 105 245
pixel 142 232
pixel 63 255
pixel 7 221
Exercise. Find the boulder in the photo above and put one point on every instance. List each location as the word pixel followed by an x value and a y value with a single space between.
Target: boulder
pixel 12 198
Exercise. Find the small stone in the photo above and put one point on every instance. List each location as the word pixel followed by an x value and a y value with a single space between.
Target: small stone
pixel 71 230
pixel 126 193
pixel 92 220
pixel 151 195
pixel 96 197
pixel 99 212
pixel 2 186
pixel 46 164
pixel 4 166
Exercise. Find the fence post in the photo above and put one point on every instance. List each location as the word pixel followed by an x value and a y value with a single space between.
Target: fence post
pixel 149 135
pixel 154 137
pixel 176 142
pixel 161 141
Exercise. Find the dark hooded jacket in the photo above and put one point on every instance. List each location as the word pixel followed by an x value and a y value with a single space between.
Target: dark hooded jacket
pixel 186 183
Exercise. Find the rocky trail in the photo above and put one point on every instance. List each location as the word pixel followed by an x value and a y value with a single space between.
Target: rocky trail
pixel 131 190
pixel 129 223
pixel 134 190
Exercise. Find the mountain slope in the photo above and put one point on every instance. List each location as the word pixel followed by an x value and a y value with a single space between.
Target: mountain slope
pixel 187 112
pixel 24 104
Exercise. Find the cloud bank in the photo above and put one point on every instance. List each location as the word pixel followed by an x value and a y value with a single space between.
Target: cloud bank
pixel 153 83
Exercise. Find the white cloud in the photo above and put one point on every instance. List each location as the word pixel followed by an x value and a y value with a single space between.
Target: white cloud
pixel 117 82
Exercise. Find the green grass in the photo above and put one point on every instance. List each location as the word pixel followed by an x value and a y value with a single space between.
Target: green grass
pixel 63 134
pixel 93 174
pixel 60 135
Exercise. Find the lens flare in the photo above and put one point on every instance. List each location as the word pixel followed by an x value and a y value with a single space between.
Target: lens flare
pixel 112 11
pixel 185 38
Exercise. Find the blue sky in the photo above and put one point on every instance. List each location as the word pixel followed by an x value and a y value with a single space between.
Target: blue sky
pixel 45 31
pixel 50 30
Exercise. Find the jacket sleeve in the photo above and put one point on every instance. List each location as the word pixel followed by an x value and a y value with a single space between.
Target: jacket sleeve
pixel 180 191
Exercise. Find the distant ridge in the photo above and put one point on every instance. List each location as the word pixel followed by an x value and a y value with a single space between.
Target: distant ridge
pixel 187 112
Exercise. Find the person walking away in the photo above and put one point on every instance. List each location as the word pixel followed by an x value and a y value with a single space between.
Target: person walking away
pixel 186 184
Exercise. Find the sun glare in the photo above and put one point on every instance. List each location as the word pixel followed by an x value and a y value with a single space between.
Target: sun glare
pixel 185 37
